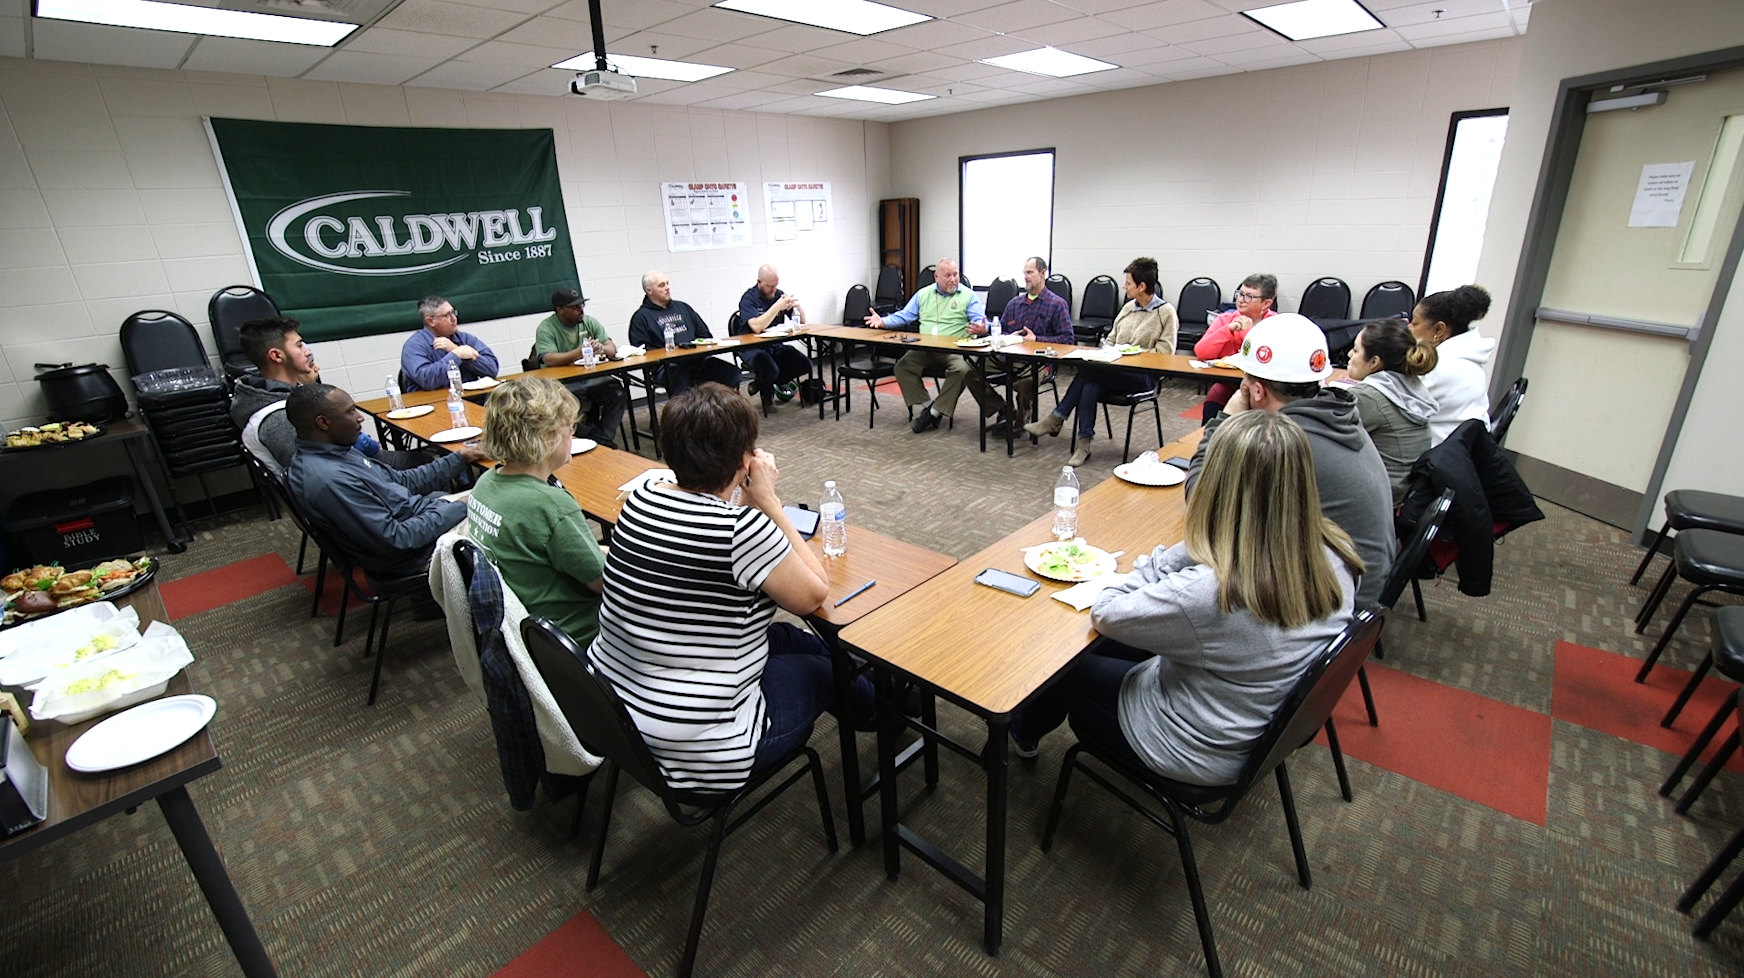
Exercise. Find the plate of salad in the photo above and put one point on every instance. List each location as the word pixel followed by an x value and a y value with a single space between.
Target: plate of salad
pixel 1069 560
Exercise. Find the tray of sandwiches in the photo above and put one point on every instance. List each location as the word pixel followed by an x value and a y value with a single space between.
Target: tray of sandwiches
pixel 42 590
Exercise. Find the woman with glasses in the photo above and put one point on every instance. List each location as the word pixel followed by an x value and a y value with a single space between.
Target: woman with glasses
pixel 1147 322
pixel 1207 639
pixel 1254 299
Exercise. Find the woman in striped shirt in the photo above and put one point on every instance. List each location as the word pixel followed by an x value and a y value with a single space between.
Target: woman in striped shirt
pixel 692 582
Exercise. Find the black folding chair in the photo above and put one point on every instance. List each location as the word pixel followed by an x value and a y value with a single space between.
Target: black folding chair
pixel 227 311
pixel 382 593
pixel 596 712
pixel 1503 414
pixel 1304 713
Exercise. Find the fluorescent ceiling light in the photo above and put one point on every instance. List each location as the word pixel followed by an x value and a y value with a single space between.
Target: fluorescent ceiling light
pixel 863 93
pixel 1049 61
pixel 629 64
pixel 1307 19
pixel 853 16
pixel 183 19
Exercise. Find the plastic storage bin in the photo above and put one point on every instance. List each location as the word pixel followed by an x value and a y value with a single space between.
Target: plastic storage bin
pixel 73 527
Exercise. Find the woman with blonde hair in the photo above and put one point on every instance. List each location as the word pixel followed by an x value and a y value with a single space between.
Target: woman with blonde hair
pixel 534 531
pixel 1388 361
pixel 1221 625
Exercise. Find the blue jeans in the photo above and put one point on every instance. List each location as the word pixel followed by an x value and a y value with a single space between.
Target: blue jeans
pixel 798 686
pixel 1092 381
pixel 1089 694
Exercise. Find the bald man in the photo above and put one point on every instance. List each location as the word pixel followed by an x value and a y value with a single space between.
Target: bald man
pixel 940 309
pixel 648 330
pixel 762 306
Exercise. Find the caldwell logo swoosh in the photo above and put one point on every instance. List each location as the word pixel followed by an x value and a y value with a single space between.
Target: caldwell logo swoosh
pixel 282 221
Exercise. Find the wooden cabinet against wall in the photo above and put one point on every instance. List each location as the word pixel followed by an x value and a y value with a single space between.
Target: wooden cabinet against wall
pixel 899 238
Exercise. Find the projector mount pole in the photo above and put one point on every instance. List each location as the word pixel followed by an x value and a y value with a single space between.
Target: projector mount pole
pixel 599 35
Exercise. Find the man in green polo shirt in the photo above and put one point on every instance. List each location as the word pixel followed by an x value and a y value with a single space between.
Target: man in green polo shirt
pixel 562 339
pixel 941 309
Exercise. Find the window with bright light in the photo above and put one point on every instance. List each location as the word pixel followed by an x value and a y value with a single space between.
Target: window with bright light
pixel 1719 191
pixel 1468 177
pixel 1006 213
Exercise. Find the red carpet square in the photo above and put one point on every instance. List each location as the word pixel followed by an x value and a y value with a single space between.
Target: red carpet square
pixel 333 587
pixel 1597 690
pixel 1479 749
pixel 232 582
pixel 580 947
pixel 1194 413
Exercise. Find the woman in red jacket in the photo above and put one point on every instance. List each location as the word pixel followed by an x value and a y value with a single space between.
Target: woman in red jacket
pixel 1223 335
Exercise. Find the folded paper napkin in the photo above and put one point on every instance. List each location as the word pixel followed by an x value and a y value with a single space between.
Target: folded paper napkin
pixel 1100 356
pixel 652 475
pixel 1199 364
pixel 1082 596
pixel 631 350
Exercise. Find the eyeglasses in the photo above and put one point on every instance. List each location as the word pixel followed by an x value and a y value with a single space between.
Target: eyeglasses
pixel 1250 296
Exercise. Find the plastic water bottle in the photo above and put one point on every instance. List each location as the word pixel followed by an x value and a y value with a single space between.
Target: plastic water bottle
pixel 454 379
pixel 456 409
pixel 993 329
pixel 396 401
pixel 1066 504
pixel 671 338
pixel 833 513
pixel 589 357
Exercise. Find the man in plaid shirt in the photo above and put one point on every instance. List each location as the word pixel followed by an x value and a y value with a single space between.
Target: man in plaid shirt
pixel 1039 316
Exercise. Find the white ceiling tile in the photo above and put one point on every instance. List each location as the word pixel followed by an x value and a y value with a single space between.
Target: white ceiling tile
pixel 805 66
pixel 527 56
pixel 742 101
pixel 1342 45
pixel 442 17
pixel 862 51
pixel 988 47
pixel 555 32
pixel 374 69
pixel 968 71
pixel 636 16
pixel 735 56
pixel 1167 13
pixel 950 8
pixel 384 40
pixel 794 38
pixel 468 75
pixel 716 25
pixel 923 61
pixel 1158 54
pixel 682 95
pixel 253 57
pixel 1015 16
pixel 929 85
pixel 519 6
pixel 1286 56
pixel 1259 45
pixel 1456 25
pixel 930 36
pixel 1202 30
pixel 1207 69
pixel 61 40
pixel 1439 40
pixel 744 81
pixel 672 47
pixel 1424 11
pixel 1112 47
pixel 1070 33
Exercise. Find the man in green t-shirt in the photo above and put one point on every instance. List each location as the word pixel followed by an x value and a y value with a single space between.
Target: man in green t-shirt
pixel 561 340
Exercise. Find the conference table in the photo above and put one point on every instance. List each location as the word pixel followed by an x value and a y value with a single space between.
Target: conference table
pixel 920 638
pixel 1031 356
pixel 76 801
pixel 595 479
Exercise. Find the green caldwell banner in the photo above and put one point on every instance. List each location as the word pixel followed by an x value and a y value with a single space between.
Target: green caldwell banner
pixel 349 226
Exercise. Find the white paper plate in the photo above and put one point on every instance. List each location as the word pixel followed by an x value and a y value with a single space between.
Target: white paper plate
pixel 1103 563
pixel 457 434
pixel 975 344
pixel 141 733
pixel 579 445
pixel 1159 474
pixel 481 384
pixel 411 412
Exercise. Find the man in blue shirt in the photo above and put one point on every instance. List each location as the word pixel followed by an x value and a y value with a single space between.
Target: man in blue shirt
pixel 387 520
pixel 1039 316
pixel 428 352
pixel 940 309
pixel 762 306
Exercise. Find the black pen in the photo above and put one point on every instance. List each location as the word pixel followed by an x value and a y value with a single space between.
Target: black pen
pixel 856 593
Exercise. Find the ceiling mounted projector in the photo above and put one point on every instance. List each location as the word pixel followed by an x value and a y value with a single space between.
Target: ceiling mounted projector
pixel 605 85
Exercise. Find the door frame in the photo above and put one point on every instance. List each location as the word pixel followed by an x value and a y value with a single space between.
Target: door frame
pixel 1544 220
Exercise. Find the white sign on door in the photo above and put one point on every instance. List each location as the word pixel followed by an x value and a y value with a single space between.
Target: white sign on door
pixel 1659 196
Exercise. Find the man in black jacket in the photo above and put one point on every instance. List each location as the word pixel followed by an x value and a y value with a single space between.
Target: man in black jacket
pixel 648 330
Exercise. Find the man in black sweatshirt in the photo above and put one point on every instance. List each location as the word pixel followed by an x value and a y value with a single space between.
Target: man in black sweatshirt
pixel 648 330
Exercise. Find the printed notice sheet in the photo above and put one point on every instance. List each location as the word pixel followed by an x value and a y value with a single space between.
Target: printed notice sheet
pixel 700 216
pixel 1659 196
pixel 796 211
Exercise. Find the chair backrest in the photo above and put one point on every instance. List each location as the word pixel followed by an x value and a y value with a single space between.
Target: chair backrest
pixel 1311 702
pixel 1388 300
pixel 593 708
pixel 889 287
pixel 1198 298
pixel 927 276
pixel 1410 556
pixel 736 324
pixel 256 448
pixel 1326 298
pixel 466 557
pixel 1000 292
pixel 228 309
pixel 530 363
pixel 1503 414
pixel 856 306
pixel 1101 299
pixel 1061 286
pixel 155 339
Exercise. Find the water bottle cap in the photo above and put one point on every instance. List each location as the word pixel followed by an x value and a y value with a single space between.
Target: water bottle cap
pixel 1065 469
pixel 829 483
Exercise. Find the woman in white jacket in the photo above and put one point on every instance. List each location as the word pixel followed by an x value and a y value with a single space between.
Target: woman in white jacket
pixel 1458 383
pixel 1210 636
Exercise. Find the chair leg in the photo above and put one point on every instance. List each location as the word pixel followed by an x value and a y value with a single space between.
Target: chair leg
pixel 1417 594
pixel 1647 558
pixel 1190 868
pixel 1063 782
pixel 1126 449
pixel 1338 760
pixel 1720 909
pixel 1379 653
pixel 1362 678
pixel 1670 630
pixel 320 583
pixel 1700 744
pixel 381 649
pixel 1689 689
pixel 344 602
pixel 816 766
pixel 580 804
pixel 1295 828
pixel 302 551
pixel 717 834
pixel 1644 617
pixel 1711 872
pixel 599 844
pixel 1700 785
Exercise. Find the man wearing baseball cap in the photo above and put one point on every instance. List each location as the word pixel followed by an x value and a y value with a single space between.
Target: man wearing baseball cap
pixel 563 338
pixel 1284 359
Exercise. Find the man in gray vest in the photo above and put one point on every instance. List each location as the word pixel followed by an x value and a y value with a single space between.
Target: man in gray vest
pixel 940 309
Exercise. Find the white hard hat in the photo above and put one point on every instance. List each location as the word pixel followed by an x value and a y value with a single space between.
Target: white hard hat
pixel 1287 348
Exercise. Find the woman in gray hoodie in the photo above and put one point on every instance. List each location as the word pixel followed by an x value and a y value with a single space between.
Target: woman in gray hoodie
pixel 1221 625
pixel 1389 363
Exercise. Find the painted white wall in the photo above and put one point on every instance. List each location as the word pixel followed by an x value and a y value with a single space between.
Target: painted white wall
pixel 110 203
pixel 1303 172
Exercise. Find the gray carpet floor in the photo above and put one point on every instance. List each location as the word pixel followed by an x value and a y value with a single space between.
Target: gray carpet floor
pixel 378 841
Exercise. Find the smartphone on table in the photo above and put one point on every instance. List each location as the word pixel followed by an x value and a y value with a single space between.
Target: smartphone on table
pixel 1008 582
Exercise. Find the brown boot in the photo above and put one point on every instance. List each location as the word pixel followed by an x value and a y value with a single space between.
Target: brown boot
pixel 1082 455
pixel 1050 424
